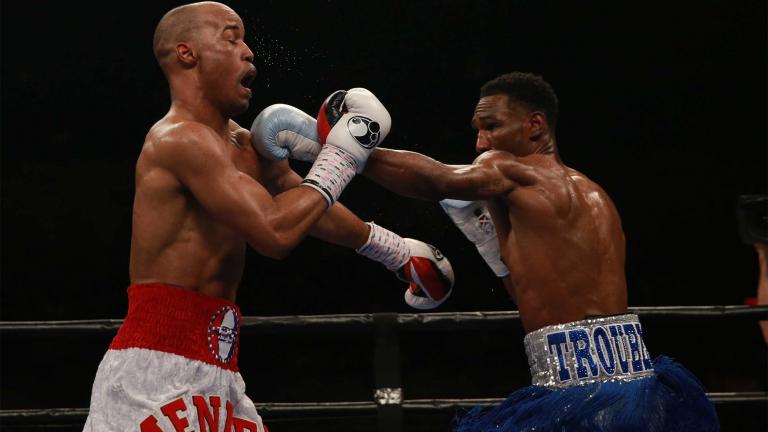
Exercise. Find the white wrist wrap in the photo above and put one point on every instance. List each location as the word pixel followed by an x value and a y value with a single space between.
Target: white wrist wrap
pixel 332 171
pixel 385 247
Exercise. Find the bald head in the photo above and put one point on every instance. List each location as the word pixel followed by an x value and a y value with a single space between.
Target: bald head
pixel 181 24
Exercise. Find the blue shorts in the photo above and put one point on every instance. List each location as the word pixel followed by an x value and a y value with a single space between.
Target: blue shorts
pixel 671 399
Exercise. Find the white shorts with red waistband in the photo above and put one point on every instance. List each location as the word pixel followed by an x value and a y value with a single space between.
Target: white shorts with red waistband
pixel 173 367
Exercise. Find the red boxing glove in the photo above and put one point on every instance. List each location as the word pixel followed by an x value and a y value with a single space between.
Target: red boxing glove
pixel 429 275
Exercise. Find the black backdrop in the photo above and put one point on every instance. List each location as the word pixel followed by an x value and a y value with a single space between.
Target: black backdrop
pixel 662 103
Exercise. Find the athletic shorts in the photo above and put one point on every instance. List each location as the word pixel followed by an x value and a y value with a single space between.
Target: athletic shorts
pixel 596 375
pixel 173 366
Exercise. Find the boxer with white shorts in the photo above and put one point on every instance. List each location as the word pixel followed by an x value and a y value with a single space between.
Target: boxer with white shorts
pixel 202 195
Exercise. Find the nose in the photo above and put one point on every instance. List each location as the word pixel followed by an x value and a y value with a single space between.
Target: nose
pixel 482 145
pixel 248 55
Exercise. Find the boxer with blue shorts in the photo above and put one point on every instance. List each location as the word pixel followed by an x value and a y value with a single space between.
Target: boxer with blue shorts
pixel 555 239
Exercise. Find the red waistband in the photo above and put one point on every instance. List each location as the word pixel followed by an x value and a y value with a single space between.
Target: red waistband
pixel 167 318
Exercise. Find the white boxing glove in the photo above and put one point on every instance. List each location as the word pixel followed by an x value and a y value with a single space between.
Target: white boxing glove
pixel 281 131
pixel 354 121
pixel 428 273
pixel 473 219
pixel 350 125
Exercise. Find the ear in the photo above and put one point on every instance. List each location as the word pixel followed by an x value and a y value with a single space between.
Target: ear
pixel 186 54
pixel 537 125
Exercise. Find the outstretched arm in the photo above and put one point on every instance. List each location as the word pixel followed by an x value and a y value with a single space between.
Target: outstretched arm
pixel 418 176
pixel 281 131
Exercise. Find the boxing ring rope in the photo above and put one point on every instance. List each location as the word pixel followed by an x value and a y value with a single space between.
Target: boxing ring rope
pixel 75 415
pixel 388 403
pixel 422 321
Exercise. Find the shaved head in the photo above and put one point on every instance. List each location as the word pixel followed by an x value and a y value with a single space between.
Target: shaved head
pixel 181 24
pixel 202 52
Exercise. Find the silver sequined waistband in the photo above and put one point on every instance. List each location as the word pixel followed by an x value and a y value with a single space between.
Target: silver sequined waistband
pixel 581 352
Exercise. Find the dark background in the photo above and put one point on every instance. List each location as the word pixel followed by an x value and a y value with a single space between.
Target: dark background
pixel 661 103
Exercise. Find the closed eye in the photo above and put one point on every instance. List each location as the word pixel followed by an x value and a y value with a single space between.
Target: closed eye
pixel 231 33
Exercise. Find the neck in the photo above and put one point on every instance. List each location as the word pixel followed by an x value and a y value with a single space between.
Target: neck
pixel 547 146
pixel 188 100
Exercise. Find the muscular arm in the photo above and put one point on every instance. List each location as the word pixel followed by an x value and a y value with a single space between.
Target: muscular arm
pixel 418 176
pixel 338 225
pixel 272 226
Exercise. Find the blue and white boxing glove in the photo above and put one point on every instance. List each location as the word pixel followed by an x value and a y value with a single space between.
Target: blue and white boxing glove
pixel 472 219
pixel 281 131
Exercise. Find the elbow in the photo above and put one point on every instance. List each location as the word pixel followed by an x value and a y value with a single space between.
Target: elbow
pixel 282 248
pixel 439 191
pixel 428 188
pixel 447 182
pixel 277 252
pixel 441 188
pixel 276 246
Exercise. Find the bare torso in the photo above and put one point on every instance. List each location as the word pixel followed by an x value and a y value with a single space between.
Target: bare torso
pixel 563 243
pixel 174 239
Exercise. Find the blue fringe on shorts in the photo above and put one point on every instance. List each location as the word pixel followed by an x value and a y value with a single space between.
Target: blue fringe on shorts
pixel 670 400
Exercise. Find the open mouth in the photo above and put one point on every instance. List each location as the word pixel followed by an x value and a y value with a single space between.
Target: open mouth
pixel 248 78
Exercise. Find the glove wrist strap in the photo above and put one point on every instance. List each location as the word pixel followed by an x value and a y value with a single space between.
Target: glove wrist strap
pixel 385 247
pixel 331 172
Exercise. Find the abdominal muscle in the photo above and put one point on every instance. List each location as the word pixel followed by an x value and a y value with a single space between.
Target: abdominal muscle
pixel 175 241
pixel 554 283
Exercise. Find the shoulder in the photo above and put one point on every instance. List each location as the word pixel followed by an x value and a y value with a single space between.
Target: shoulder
pixel 493 157
pixel 170 144
pixel 179 136
pixel 585 185
pixel 523 170
pixel 504 160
